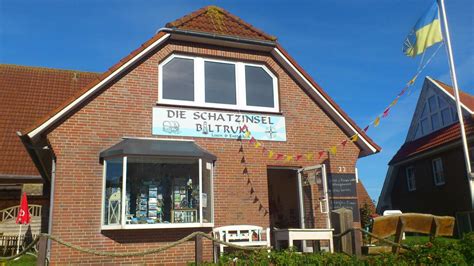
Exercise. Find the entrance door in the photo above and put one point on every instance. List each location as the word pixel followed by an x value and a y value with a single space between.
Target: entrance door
pixel 313 197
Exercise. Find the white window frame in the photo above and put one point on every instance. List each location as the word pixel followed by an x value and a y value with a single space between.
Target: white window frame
pixel 123 224
pixel 437 177
pixel 199 86
pixel 411 179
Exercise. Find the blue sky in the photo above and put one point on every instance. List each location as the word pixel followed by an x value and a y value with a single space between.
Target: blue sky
pixel 351 48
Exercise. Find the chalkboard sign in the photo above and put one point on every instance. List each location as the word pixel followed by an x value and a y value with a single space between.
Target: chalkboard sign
pixel 342 185
pixel 348 204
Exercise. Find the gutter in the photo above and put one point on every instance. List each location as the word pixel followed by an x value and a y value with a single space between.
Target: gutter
pixel 218 36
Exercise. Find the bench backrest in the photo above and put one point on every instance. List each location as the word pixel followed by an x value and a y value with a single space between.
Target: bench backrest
pixel 385 226
pixel 233 233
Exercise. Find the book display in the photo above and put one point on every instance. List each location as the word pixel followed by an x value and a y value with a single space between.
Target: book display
pixel 166 199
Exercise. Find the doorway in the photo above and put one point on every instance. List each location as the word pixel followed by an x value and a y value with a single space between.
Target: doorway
pixel 283 198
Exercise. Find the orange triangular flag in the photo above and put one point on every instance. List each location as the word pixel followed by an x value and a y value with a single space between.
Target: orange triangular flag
pixel 309 156
pixel 333 150
pixel 377 121
pixel 355 138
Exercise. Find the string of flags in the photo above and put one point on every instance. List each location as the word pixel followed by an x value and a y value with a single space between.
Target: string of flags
pixel 333 150
pixel 252 191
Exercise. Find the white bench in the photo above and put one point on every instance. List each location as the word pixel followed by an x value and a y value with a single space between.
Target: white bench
pixel 242 235
pixel 291 235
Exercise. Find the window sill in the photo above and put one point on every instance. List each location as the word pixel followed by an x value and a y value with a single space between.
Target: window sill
pixel 156 226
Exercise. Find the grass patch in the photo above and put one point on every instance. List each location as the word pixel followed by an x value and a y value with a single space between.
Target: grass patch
pixel 25 260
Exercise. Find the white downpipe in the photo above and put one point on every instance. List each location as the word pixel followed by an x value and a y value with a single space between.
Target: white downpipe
pixel 458 101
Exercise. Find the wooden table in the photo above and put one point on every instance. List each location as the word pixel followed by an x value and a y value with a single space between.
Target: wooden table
pixel 291 235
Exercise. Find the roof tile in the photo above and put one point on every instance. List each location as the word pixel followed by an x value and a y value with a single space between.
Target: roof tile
pixel 212 19
pixel 27 94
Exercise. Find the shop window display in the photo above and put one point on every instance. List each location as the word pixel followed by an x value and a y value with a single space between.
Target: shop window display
pixel 162 191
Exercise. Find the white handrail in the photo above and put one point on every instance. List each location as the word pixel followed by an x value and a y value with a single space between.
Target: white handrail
pixel 12 212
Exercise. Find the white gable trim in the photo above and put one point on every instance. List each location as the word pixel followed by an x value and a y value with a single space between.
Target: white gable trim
pixel 91 91
pixel 332 108
pixel 449 94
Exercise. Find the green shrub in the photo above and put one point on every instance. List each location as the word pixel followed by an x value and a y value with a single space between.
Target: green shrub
pixel 438 252
pixel 466 246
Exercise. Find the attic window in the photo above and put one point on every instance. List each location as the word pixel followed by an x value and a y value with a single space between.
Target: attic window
pixel 436 114
pixel 204 82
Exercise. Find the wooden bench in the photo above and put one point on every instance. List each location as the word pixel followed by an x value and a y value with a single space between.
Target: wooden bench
pixel 242 235
pixel 397 224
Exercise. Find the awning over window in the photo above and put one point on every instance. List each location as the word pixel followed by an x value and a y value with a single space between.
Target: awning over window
pixel 172 148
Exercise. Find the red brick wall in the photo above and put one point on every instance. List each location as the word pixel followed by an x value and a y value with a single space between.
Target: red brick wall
pixel 125 109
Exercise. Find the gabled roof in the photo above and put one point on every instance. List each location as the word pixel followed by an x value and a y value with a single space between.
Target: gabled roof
pixel 241 28
pixel 441 136
pixel 215 20
pixel 467 100
pixel 435 139
pixel 27 94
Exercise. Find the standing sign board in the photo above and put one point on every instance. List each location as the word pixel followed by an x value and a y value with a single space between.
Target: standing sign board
pixel 170 121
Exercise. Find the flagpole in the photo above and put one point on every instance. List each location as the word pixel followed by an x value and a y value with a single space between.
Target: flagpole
pixel 18 241
pixel 458 102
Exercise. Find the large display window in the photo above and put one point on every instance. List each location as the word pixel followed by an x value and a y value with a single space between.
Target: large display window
pixel 160 192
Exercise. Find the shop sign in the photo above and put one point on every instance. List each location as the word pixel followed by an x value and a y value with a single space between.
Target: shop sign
pixel 169 121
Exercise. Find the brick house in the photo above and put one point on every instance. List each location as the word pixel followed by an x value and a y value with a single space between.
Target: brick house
pixel 428 173
pixel 152 150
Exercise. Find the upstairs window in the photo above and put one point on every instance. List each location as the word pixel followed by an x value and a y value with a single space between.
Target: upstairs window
pixel 203 82
pixel 411 182
pixel 438 173
pixel 178 79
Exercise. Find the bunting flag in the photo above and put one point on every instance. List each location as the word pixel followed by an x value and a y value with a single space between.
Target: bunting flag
pixel 298 157
pixel 321 153
pixel 257 144
pixel 289 158
pixel 385 113
pixel 244 128
pixel 252 190
pixel 377 121
pixel 255 200
pixel 260 207
pixel 270 154
pixel 309 156
pixel 264 149
pixel 355 138
pixel 280 156
pixel 343 143
pixel 252 140
pixel 366 128
pixel 247 134
pixel 245 171
pixel 243 159
pixel 241 150
pixel 394 102
pixel 333 150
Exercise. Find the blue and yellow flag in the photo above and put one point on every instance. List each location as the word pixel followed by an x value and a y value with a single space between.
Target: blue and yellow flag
pixel 427 31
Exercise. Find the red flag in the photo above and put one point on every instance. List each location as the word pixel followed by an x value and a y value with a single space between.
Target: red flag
pixel 23 214
pixel 385 113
